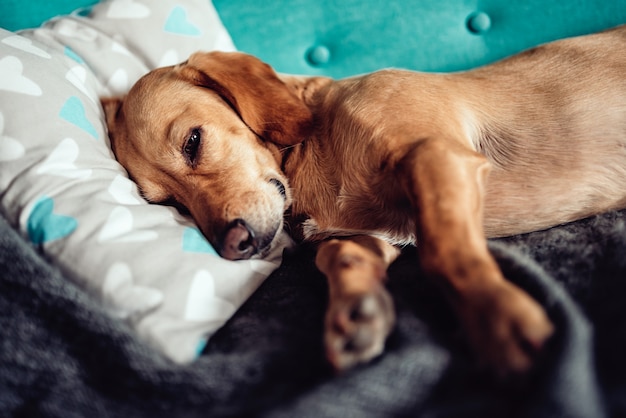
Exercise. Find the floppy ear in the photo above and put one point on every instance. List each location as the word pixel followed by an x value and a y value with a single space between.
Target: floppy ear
pixel 111 106
pixel 254 91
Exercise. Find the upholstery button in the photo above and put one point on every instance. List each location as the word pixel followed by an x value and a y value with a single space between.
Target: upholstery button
pixel 478 23
pixel 318 55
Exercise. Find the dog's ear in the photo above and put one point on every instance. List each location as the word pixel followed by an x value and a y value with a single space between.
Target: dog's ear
pixel 111 106
pixel 252 88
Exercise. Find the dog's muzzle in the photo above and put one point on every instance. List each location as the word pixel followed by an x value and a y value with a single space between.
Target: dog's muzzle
pixel 241 241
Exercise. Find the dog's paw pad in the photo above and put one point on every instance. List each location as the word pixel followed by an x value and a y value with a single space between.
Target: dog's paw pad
pixel 357 327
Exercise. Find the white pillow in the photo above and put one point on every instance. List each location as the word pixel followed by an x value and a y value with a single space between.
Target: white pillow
pixel 62 188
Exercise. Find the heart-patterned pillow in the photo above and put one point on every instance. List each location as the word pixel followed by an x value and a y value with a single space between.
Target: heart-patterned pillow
pixel 62 188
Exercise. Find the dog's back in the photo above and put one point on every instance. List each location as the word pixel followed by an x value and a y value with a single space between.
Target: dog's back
pixel 552 122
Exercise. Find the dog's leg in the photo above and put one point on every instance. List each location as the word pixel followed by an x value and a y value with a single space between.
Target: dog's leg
pixel 360 312
pixel 445 182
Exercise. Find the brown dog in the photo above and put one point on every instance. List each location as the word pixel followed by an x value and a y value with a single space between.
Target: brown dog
pixel 387 159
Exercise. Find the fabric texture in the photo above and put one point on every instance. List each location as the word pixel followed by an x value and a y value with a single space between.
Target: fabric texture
pixel 355 37
pixel 62 355
pixel 64 352
pixel 61 186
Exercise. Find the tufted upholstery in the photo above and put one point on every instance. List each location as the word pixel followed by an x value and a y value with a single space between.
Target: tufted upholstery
pixel 446 35
pixel 346 37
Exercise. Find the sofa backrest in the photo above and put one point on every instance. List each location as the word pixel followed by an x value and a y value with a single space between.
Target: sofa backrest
pixel 346 37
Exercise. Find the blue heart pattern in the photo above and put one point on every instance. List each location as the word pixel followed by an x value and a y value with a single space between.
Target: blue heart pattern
pixel 178 23
pixel 73 111
pixel 44 225
pixel 202 343
pixel 194 242
pixel 73 55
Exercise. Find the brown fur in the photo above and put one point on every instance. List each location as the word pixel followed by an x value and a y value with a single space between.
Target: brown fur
pixel 390 158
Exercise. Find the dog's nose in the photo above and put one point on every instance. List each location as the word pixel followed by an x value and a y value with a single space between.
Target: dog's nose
pixel 239 241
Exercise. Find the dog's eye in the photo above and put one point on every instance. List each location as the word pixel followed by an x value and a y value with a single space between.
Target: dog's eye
pixel 192 145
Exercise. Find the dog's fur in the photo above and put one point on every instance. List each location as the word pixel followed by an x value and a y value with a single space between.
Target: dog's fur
pixel 386 159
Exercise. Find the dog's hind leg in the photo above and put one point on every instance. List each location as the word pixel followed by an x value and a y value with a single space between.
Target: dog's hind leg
pixel 360 312
pixel 445 183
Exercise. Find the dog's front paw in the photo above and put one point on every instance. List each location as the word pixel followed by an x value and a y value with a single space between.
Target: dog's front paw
pixel 506 327
pixel 357 327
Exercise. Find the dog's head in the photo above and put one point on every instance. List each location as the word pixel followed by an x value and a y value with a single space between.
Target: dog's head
pixel 207 134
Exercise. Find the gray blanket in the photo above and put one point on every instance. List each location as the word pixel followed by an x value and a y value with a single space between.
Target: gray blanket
pixel 61 355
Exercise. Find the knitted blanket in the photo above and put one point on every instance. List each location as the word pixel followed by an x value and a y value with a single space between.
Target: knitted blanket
pixel 62 355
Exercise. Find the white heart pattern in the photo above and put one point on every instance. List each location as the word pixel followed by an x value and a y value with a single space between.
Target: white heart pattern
pixel 202 304
pixel 223 42
pixel 73 29
pixel 120 49
pixel 121 189
pixel 118 83
pixel 169 58
pixel 13 79
pixel 119 228
pixel 127 9
pixel 10 149
pixel 25 45
pixel 61 161
pixel 126 298
pixel 78 77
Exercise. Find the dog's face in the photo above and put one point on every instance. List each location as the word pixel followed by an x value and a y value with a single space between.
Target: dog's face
pixel 206 134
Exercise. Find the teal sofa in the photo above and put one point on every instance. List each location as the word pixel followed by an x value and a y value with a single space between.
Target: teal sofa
pixel 62 355
pixel 342 38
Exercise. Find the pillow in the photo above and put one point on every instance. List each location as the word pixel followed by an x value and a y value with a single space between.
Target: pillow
pixel 62 188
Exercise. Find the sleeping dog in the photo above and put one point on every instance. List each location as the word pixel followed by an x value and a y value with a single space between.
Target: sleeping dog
pixel 365 165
